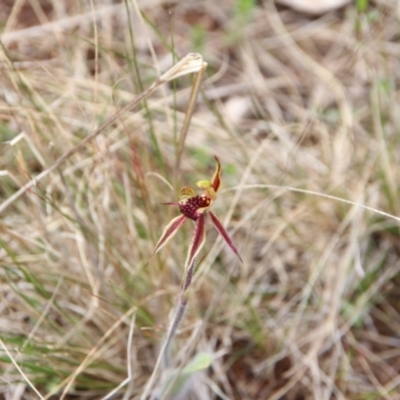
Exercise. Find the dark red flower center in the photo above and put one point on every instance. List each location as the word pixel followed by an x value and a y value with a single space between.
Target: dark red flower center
pixel 190 207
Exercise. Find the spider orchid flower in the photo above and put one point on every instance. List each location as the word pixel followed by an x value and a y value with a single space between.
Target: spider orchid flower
pixel 196 207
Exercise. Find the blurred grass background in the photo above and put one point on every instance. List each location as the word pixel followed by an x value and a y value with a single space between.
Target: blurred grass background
pixel 289 101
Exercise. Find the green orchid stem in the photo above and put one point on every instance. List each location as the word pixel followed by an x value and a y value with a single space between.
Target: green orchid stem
pixel 188 277
pixel 173 328
pixel 183 300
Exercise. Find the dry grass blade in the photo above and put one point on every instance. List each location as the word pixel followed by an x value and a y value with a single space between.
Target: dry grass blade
pixel 188 115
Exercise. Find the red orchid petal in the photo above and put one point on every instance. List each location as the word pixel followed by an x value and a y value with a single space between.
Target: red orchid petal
pixel 198 239
pixel 218 225
pixel 169 231
pixel 216 179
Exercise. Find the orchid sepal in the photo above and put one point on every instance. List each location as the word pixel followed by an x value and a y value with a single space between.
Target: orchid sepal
pixel 222 231
pixel 169 232
pixel 216 179
pixel 198 240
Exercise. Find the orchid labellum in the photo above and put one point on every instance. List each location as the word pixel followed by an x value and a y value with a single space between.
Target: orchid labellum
pixel 196 207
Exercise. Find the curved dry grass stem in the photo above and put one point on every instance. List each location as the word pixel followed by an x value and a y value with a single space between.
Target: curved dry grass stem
pixel 188 115
pixel 20 370
pixel 317 194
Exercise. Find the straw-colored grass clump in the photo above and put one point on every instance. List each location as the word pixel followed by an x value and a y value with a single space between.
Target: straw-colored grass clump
pixel 301 111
